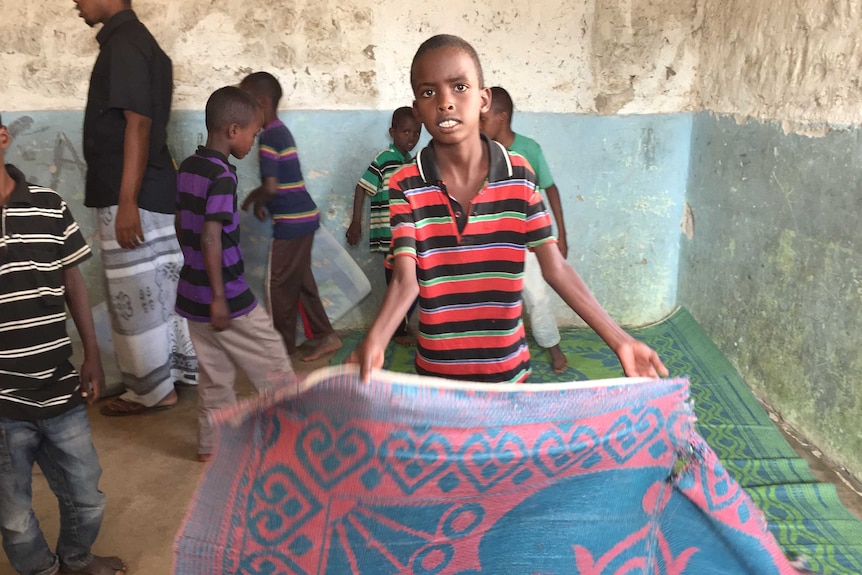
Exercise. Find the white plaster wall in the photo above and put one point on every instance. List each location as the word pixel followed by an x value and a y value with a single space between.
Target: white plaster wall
pixel 605 56
pixel 797 61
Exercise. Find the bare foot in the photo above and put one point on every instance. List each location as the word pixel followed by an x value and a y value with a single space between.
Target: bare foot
pixel 328 344
pixel 558 361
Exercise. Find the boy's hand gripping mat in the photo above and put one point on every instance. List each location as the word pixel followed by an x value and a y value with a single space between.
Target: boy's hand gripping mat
pixel 411 475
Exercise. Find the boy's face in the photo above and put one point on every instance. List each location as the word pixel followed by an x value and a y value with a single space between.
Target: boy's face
pixel 449 99
pixel 5 142
pixel 405 134
pixel 492 123
pixel 92 11
pixel 242 138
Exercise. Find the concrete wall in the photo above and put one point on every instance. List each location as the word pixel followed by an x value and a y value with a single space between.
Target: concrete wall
pixel 605 55
pixel 796 62
pixel 773 271
pixel 344 66
pixel 623 179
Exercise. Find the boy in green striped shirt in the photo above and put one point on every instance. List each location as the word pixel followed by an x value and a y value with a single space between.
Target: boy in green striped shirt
pixel 404 131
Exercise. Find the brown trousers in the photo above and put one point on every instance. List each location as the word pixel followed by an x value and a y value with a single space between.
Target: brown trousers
pixel 291 287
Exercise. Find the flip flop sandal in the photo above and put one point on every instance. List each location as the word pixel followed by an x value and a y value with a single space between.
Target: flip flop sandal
pixel 120 407
pixel 97 566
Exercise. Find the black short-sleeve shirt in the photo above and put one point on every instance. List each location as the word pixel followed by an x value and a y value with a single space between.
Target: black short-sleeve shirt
pixel 131 73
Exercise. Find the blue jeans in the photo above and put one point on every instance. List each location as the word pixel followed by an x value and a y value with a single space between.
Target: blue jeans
pixel 63 448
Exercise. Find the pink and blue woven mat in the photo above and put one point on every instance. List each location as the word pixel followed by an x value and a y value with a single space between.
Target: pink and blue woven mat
pixel 409 475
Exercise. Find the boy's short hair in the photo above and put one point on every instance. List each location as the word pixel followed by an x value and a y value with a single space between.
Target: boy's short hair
pixel 501 101
pixel 263 84
pixel 401 114
pixel 447 41
pixel 230 105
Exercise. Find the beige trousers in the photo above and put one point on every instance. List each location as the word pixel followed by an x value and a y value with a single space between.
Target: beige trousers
pixel 251 343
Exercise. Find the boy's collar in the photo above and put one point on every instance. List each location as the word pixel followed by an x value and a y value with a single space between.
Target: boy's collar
pixel 275 122
pixel 113 23
pixel 500 166
pixel 21 191
pixel 210 153
pixel 404 156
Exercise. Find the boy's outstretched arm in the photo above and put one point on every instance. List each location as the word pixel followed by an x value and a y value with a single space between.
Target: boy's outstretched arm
pixel 400 294
pixel 637 358
pixel 211 247
pixel 354 232
pixel 91 374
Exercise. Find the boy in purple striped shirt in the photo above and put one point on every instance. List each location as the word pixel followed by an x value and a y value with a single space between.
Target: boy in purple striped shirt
pixel 291 287
pixel 227 327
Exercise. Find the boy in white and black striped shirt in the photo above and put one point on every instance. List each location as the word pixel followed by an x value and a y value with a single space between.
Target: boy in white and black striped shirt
pixel 42 416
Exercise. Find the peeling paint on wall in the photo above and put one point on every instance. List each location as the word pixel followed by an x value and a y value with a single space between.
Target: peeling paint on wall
pixel 622 233
pixel 773 274
pixel 794 62
pixel 595 56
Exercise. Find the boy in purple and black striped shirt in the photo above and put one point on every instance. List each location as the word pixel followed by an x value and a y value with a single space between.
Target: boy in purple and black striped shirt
pixel 227 327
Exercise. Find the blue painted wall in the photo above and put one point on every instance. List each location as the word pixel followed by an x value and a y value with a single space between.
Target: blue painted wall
pixel 623 182
pixel 774 271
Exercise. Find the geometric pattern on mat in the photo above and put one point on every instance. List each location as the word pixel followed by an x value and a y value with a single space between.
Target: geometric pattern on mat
pixel 807 517
pixel 422 476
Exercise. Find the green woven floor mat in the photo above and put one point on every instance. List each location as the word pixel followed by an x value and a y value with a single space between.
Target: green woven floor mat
pixel 746 441
pixel 806 517
pixel 764 472
pixel 842 533
pixel 800 502
pixel 830 559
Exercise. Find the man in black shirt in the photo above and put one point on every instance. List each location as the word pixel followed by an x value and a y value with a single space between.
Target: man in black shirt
pixel 131 181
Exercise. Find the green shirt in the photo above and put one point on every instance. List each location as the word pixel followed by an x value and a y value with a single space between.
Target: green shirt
pixel 375 182
pixel 531 150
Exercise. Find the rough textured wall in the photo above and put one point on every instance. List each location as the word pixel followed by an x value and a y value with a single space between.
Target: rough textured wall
pixel 622 181
pixel 796 61
pixel 635 56
pixel 773 269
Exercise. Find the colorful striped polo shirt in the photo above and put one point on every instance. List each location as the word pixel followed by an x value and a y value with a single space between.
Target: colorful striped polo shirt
pixel 294 213
pixel 470 265
pixel 206 191
pixel 375 182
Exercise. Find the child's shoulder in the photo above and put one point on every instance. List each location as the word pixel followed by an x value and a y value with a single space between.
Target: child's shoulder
pixel 388 154
pixel 43 197
pixel 406 176
pixel 276 130
pixel 199 173
pixel 39 196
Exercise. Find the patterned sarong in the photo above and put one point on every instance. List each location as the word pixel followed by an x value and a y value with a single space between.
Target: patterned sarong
pixel 424 476
pixel 151 341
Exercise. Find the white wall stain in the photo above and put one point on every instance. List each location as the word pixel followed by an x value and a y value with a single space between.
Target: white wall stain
pixel 656 204
pixel 797 62
pixel 588 57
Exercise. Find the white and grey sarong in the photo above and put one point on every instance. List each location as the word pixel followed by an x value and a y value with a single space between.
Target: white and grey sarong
pixel 151 341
